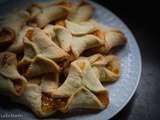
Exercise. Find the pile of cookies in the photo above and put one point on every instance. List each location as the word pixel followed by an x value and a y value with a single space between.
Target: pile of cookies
pixel 54 57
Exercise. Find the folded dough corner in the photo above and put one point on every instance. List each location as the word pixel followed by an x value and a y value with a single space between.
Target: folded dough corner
pixel 11 82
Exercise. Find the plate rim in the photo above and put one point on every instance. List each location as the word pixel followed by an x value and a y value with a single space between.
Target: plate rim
pixel 139 57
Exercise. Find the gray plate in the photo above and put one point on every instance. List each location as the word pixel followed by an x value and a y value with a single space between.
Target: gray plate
pixel 120 92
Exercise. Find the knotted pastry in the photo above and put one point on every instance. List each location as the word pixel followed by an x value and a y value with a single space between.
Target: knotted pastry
pixel 83 98
pixel 43 76
pixel 11 82
pixel 42 14
pixel 81 12
pixel 112 38
pixel 41 104
pixel 45 71
pixel 106 68
pixel 81 28
pixel 10 25
pixel 80 74
pixel 82 43
pixel 18 44
pixel 38 42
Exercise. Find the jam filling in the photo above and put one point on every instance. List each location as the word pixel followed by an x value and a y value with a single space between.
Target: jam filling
pixel 99 34
pixel 103 97
pixel 52 104
pixel 29 34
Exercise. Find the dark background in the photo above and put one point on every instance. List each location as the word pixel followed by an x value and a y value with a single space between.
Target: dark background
pixel 142 17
